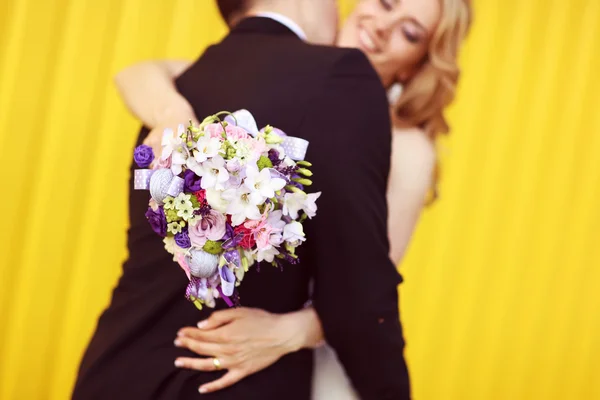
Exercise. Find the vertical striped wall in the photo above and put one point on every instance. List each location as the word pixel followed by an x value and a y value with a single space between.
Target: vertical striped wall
pixel 501 294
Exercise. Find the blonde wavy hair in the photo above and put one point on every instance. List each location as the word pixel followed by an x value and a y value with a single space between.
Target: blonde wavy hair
pixel 433 87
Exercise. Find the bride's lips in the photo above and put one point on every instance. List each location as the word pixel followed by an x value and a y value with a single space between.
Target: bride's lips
pixel 366 41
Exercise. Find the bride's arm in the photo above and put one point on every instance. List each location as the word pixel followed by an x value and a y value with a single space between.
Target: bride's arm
pixel 412 165
pixel 246 341
pixel 149 92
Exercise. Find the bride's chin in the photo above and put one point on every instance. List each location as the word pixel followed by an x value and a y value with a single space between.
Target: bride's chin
pixel 344 41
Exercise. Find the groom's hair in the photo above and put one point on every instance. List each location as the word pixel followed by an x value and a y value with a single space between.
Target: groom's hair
pixel 232 9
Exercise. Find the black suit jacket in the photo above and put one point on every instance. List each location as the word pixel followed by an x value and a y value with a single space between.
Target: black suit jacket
pixel 333 98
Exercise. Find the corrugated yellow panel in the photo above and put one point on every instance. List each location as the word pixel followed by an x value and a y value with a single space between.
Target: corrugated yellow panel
pixel 499 299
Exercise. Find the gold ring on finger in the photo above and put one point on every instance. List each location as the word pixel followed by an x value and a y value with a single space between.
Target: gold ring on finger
pixel 216 363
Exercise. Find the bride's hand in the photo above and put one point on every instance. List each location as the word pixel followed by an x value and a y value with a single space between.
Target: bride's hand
pixel 154 138
pixel 245 341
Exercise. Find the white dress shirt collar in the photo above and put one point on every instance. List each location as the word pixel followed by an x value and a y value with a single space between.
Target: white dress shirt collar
pixel 282 19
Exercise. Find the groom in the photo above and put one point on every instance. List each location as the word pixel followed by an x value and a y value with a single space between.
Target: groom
pixel 333 98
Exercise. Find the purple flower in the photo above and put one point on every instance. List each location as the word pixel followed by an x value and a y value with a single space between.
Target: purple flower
pixel 231 240
pixel 143 156
pixel 191 181
pixel 274 157
pixel 228 232
pixel 182 239
pixel 287 171
pixel 157 221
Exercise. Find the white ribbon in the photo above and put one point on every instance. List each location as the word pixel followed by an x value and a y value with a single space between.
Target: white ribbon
pixel 294 147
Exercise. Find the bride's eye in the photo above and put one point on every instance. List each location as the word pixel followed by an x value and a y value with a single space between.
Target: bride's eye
pixel 411 34
pixel 387 4
pixel 411 37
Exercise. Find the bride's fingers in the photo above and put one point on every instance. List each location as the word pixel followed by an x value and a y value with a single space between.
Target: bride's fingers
pixel 220 318
pixel 213 336
pixel 230 378
pixel 199 364
pixel 198 347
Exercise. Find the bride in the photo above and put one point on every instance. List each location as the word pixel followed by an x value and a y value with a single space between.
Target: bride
pixel 413 46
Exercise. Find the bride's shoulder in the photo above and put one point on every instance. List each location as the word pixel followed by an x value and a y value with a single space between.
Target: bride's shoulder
pixel 414 142
pixel 413 156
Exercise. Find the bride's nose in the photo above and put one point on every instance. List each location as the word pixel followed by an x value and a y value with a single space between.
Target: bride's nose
pixel 385 24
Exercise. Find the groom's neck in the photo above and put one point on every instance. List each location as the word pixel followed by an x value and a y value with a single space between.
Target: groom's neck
pixel 305 13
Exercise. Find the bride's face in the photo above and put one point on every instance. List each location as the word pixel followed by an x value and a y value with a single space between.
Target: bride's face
pixel 394 34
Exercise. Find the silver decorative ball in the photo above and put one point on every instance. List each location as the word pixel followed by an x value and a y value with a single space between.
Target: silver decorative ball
pixel 202 264
pixel 159 184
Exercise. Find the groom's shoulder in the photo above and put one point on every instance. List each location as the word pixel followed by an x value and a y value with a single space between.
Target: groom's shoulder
pixel 341 62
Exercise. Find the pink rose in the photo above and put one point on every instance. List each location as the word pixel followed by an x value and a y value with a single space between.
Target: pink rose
pixel 214 130
pixel 236 133
pixel 233 132
pixel 210 227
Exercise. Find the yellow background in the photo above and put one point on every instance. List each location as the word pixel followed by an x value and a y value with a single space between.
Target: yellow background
pixel 501 294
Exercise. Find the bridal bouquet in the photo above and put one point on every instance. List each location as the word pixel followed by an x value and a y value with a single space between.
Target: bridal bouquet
pixel 225 196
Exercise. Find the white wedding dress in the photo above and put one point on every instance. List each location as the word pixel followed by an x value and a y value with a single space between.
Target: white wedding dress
pixel 329 379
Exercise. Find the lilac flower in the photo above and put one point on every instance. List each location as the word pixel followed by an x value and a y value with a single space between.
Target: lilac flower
pixel 157 221
pixel 228 232
pixel 233 256
pixel 182 239
pixel 191 181
pixel 143 156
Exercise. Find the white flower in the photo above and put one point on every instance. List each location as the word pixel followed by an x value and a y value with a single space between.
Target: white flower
pixel 275 239
pixel 170 142
pixel 275 219
pixel 206 148
pixel 262 182
pixel 182 201
pixel 294 202
pixel 185 212
pixel 213 173
pixel 170 245
pixel 310 205
pixel 293 233
pixel 178 160
pixel 243 204
pixel 175 227
pixel 266 254
pixel 216 201
pixel 173 146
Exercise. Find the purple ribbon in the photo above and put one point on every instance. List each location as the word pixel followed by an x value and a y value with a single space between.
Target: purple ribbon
pixel 141 179
pixel 227 300
pixel 227 281
pixel 295 148
pixel 176 186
